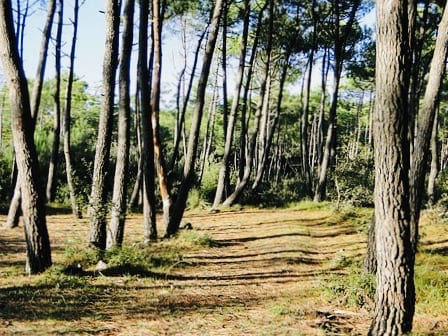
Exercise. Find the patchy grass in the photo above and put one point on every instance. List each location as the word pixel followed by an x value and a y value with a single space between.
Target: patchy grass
pixel 292 271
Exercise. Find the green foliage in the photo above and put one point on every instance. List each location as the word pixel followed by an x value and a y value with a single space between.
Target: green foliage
pixel 355 289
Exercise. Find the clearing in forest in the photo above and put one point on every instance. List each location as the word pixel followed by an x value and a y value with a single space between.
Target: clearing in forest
pixel 292 271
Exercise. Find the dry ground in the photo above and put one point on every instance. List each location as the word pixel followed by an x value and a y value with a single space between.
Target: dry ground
pixel 266 273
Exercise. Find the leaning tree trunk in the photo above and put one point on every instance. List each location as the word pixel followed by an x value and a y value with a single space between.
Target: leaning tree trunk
pixel 98 196
pixel 149 212
pixel 57 109
pixel 224 169
pixel 14 208
pixel 395 293
pixel 33 208
pixel 189 173
pixel 67 119
pixel 118 211
pixel 420 154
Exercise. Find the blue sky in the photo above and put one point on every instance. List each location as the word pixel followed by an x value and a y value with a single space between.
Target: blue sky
pixel 90 47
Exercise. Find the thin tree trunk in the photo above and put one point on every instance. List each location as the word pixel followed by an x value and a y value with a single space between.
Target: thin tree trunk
pixel 54 159
pixel 118 211
pixel 33 208
pixel 181 127
pixel 164 183
pixel 264 97
pixel 330 142
pixel 98 196
pixel 370 257
pixel 245 101
pixel 189 175
pixel 395 293
pixel 272 129
pixel 425 125
pixel 138 180
pixel 67 118
pixel 148 197
pixel 224 169
pixel 434 171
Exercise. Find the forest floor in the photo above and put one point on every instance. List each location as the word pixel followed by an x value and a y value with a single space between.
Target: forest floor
pixel 293 271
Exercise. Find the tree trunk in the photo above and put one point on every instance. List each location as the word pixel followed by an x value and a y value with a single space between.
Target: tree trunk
pixel 67 118
pixel 224 169
pixel 98 196
pixel 181 124
pixel 54 159
pixel 434 171
pixel 121 178
pixel 14 208
pixel 272 129
pixel 370 257
pixel 264 97
pixel 425 125
pixel 138 180
pixel 164 183
pixel 36 234
pixel 244 103
pixel 330 142
pixel 395 293
pixel 148 197
pixel 189 176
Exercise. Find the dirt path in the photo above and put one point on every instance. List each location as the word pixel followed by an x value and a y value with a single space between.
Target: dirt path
pixel 264 275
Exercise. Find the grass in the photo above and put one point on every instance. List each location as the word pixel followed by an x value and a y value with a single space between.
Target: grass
pixel 291 271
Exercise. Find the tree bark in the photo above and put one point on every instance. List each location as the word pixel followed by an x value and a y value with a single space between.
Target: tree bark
pixel 395 293
pixel 224 169
pixel 370 257
pixel 14 208
pixel 420 154
pixel 164 183
pixel 434 171
pixel 54 159
pixel 36 234
pixel 148 197
pixel 189 174
pixel 67 118
pixel 98 196
pixel 121 178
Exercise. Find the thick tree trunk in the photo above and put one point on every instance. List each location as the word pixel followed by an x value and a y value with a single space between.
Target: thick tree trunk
pixel 98 196
pixel 121 178
pixel 36 234
pixel 224 169
pixel 395 293
pixel 148 197
pixel 14 208
pixel 54 159
pixel 67 118
pixel 189 175
pixel 420 154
